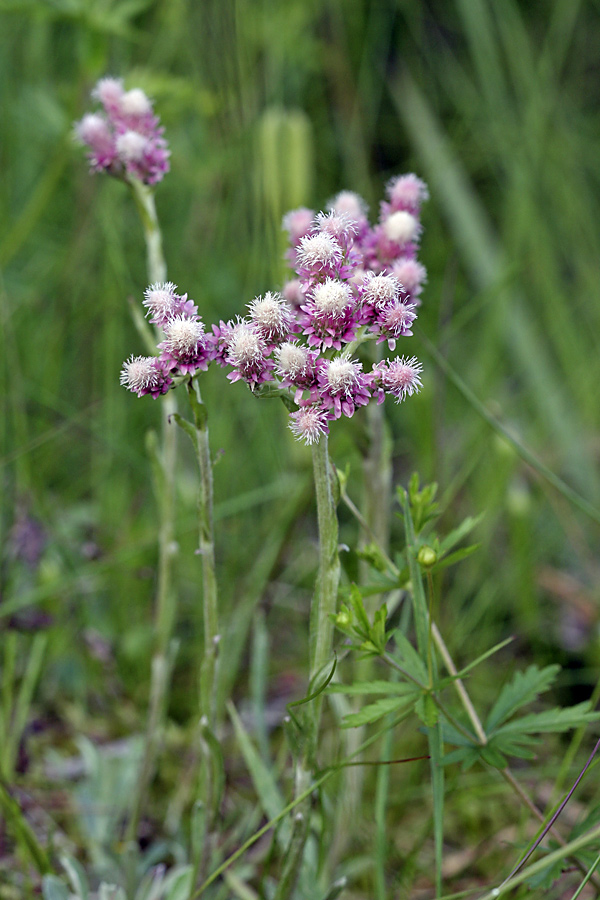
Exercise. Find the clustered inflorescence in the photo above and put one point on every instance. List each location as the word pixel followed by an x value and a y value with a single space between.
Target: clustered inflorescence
pixel 354 283
pixel 126 139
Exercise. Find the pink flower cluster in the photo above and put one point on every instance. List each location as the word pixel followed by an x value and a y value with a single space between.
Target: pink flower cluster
pixel 354 283
pixel 185 348
pixel 126 137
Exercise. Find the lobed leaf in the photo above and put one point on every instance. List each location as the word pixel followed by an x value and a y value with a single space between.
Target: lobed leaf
pixel 524 688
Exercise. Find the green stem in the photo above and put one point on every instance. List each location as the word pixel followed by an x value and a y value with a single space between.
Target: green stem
pixel 325 598
pixel 320 654
pixel 166 600
pixel 206 550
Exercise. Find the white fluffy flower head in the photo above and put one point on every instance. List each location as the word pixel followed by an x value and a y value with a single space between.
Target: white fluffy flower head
pixel 381 290
pixel 291 360
pixel 139 373
pixel 131 146
pixel 401 227
pixel 271 315
pixel 183 334
pixel 332 297
pixel 135 103
pixel 342 374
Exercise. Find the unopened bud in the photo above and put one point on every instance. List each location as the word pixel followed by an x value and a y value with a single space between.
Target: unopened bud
pixel 427 557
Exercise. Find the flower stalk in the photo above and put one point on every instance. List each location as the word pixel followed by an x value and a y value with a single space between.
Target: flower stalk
pixel 320 655
pixel 206 550
pixel 166 602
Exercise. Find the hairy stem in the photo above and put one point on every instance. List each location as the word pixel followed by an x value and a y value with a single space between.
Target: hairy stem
pixel 167 549
pixel 320 653
pixel 206 550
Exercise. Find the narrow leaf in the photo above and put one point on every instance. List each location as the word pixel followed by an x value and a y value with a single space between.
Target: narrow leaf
pixel 372 712
pixel 372 687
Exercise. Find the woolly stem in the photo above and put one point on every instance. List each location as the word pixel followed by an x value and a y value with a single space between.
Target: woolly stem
pixel 206 550
pixel 320 656
pixel 166 600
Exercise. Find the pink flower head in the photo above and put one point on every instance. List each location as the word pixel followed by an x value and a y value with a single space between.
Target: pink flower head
pixel 272 317
pixel 411 274
pixel 393 322
pixel 94 131
pixel 295 365
pixel 406 192
pixel 247 352
pixel 329 315
pixel 298 223
pixel 294 293
pixel 399 377
pixel 342 386
pixel 145 375
pixel 163 303
pixel 109 92
pixel 319 255
pixel 377 292
pixel 352 205
pixel 184 346
pixel 339 225
pixel 308 424
pixel 127 140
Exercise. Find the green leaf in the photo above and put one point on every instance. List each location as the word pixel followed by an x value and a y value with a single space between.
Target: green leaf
pixel 356 602
pixel 524 688
pixel 76 876
pixel 493 757
pixel 426 710
pixel 178 884
pixel 551 720
pixel 54 889
pixel 262 776
pixel 459 533
pixel 372 712
pixel 372 687
pixel 187 426
pixel 466 755
pixel 455 557
pixel 410 659
pixel 483 657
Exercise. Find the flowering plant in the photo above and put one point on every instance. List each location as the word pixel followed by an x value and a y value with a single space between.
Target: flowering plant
pixel 354 283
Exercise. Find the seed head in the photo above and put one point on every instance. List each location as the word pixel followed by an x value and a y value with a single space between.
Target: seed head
pixel 400 377
pixel 350 204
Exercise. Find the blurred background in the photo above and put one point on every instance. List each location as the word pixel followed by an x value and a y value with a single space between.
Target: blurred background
pixel 267 106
